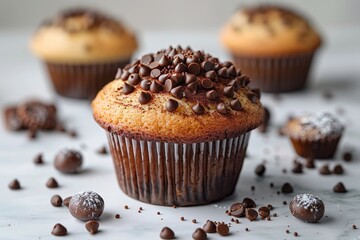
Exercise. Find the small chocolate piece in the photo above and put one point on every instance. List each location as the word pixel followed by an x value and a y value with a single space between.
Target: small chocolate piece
pixel 338 169
pixel 221 108
pixel 189 78
pixel 72 133
pixel 325 170
pixel 235 105
pixel 284 202
pixel 354 226
pixel 249 203
pixel 145 84
pixel 167 233
pixel 307 207
pixel 59 230
pixel 194 68
pixel 339 188
pixel 209 227
pixel 207 66
pixel 198 109
pixel 206 83
pixel 67 201
pixel 14 185
pixel 347 156
pixel 134 69
pixel 260 170
pixel 222 229
pixel 155 87
pixel 252 97
pixel 155 73
pixel 125 75
pixel 235 84
pixel 169 84
pixel 264 212
pixel 52 183
pixel 171 105
pixel 199 234
pixel 92 226
pixel 211 75
pixel 223 73
pixel 86 206
pixel 229 91
pixel 237 210
pixel 177 60
pixel 193 221
pixel 56 200
pixel 287 188
pixel 177 92
pixel 144 97
pixel 192 87
pixel 38 159
pixel 211 95
pixel 309 163
pixel 144 71
pixel 297 168
pixel 231 71
pixel 127 89
pixel 180 68
pixel 68 161
pixel 164 61
pixel 134 79
pixel 117 216
pixel 251 214
pixel 102 150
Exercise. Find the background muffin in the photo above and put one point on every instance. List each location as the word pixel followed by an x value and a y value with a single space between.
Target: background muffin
pixel 178 123
pixel 272 45
pixel 315 135
pixel 82 50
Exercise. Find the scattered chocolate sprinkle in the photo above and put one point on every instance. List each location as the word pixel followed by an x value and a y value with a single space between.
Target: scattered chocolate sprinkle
pixel 275 215
pixel 339 188
pixel 144 97
pixel 252 188
pixel 102 150
pixel 59 230
pixel 338 169
pixel 296 234
pixel 126 207
pixel 193 221
pixel 260 170
pixel 287 231
pixel 199 234
pixel 270 207
pixel 182 219
pixel 247 229
pixel 117 216
pixel 271 184
pixel 287 188
pixel 284 202
pixel 92 226
pixel 67 201
pixel 354 226
pixel 38 159
pixel 266 120
pixel 347 156
pixel 325 170
pixel 14 185
pixel 52 183
pixel 222 229
pixel 56 200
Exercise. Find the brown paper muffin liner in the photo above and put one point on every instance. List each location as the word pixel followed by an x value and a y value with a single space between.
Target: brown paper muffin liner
pixel 319 149
pixel 276 74
pixel 82 80
pixel 178 174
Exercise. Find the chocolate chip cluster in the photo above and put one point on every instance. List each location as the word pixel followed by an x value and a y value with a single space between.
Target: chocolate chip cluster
pixel 195 76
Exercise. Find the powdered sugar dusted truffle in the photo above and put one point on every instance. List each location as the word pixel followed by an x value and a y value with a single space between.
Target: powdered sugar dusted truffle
pixel 86 206
pixel 307 207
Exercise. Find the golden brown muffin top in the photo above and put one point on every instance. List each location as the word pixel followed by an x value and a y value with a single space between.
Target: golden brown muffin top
pixel 178 95
pixel 314 126
pixel 269 30
pixel 83 36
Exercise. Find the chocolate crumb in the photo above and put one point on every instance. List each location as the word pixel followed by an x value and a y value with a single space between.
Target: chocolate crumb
pixel 182 219
pixel 284 203
pixel 52 183
pixel 126 207
pixel 338 169
pixel 339 188
pixel 247 229
pixel 271 185
pixel 38 159
pixel 325 170
pixel 287 188
pixel 347 156
pixel 117 216
pixel 297 168
pixel 102 150
pixel 296 234
pixel 158 213
pixel 354 226
pixel 287 231
pixel 193 221
pixel 260 170
pixel 31 134
pixel 59 230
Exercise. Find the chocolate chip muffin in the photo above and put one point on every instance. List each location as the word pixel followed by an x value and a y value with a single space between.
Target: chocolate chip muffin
pixel 273 45
pixel 315 135
pixel 82 50
pixel 178 123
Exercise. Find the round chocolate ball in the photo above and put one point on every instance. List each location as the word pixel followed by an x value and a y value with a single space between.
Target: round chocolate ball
pixel 68 161
pixel 307 207
pixel 86 206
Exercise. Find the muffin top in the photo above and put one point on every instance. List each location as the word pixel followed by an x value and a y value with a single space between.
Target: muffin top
pixel 178 95
pixel 83 36
pixel 314 126
pixel 268 30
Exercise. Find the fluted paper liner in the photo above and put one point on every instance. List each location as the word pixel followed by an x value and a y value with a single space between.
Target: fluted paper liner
pixel 276 74
pixel 178 174
pixel 82 80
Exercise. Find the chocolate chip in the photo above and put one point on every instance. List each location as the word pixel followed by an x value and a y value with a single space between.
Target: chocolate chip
pixel 297 168
pixel 167 233
pixel 237 210
pixel 144 97
pixel 206 83
pixel 189 78
pixel 207 66
pixel 164 61
pixel 92 226
pixel 347 156
pixel 235 84
pixel 264 212
pixel 249 203
pixel 102 150
pixel 260 170
pixel 211 95
pixel 222 229
pixel 231 71
pixel 171 105
pixel 244 80
pixel 252 97
pixel 209 227
pixel 86 206
pixel 155 73
pixel 182 219
pixel 162 78
pixel 118 74
pixel 146 59
pixel 192 59
pixel 198 109
pixel 307 207
pixel 67 201
pixel 125 75
pixel 117 216
pixel 177 60
pixel 56 200
pixel 287 188
pixel 354 226
pixel 193 221
pixel 338 169
pixel 177 92
pixel 235 105
pixel 192 87
pixel 169 84
pixel 159 56
pixel 134 79
pixel 222 72
pixel 211 75
pixel 59 230
pixel 127 89
pixel 38 159
pixel 155 87
pixel 52 183
pixel 180 68
pixel 325 170
pixel 309 163
pixel 134 69
pixel 199 54
pixel 68 161
pixel 154 65
pixel 221 108
pixel 178 78
pixel 251 214
pixel 199 234
pixel 339 188
pixel 14 185
pixel 229 91
pixel 144 71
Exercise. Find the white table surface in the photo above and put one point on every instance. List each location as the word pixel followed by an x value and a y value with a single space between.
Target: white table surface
pixel 27 214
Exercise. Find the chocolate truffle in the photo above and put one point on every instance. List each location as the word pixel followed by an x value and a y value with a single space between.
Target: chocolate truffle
pixel 86 206
pixel 68 161
pixel 307 207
